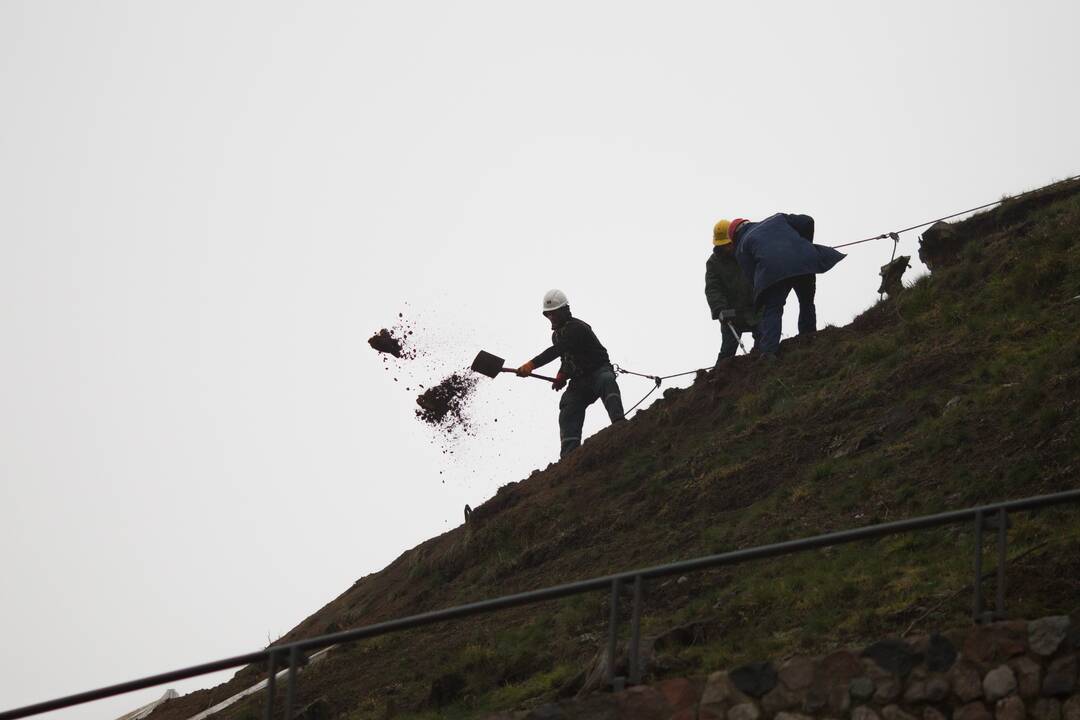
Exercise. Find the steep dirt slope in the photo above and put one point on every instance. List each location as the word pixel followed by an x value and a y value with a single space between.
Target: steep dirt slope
pixel 964 389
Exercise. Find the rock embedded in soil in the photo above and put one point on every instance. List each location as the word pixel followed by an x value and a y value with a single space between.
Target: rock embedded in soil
pixel 940 653
pixel 1045 635
pixel 1060 679
pixel 999 683
pixel 1010 708
pixel 892 655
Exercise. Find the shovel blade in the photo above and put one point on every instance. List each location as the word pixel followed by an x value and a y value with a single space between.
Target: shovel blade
pixel 488 364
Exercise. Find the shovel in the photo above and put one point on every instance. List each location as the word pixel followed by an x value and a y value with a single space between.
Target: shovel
pixel 491 365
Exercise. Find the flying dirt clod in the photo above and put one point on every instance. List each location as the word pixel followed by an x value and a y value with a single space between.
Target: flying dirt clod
pixel 444 405
pixel 385 342
pixel 393 342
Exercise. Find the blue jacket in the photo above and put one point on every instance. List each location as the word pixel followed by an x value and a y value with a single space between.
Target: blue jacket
pixel 781 247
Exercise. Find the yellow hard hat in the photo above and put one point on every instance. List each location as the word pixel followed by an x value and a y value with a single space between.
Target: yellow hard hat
pixel 720 233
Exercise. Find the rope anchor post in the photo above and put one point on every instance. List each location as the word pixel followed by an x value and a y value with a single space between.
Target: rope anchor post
pixel 895 237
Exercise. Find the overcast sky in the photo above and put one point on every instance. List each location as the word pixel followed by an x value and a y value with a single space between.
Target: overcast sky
pixel 207 207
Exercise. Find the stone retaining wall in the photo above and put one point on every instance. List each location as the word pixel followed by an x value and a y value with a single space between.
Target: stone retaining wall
pixel 1011 670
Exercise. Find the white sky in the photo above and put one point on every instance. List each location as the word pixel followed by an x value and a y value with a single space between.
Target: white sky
pixel 207 207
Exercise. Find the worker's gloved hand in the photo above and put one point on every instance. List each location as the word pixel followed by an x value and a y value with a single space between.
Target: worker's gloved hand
pixel 727 315
pixel 526 369
pixel 560 382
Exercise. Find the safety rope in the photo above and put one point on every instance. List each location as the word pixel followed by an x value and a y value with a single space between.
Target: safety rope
pixel 634 406
pixel 657 380
pixel 894 236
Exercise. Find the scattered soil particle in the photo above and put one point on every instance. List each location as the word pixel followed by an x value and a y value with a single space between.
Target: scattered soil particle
pixel 444 405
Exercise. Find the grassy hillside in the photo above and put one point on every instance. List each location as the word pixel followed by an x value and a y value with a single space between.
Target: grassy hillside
pixel 964 389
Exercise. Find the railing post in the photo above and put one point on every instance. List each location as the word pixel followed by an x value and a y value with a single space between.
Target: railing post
pixel 613 633
pixel 976 610
pixel 271 685
pixel 635 634
pixel 290 686
pixel 1002 543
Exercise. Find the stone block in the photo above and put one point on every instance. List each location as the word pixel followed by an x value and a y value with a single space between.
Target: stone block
pixel 840 667
pixel 937 688
pixel 1046 709
pixel 940 653
pixel 681 693
pixel 839 700
pixel 893 712
pixel 642 702
pixel 754 679
pixel 966 682
pixel 933 688
pixel 1010 708
pixel 778 699
pixel 931 713
pixel 973 711
pixel 864 712
pixel 1045 635
pixel 830 686
pixel 791 716
pixel 744 711
pixel 915 692
pixel 721 693
pixel 861 689
pixel 887 689
pixel 894 656
pixel 1060 679
pixel 1070 709
pixel 816 698
pixel 797 673
pixel 999 683
pixel 991 645
pixel 1028 676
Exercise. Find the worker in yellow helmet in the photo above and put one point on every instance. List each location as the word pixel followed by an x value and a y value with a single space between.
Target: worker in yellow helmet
pixel 729 293
pixel 778 255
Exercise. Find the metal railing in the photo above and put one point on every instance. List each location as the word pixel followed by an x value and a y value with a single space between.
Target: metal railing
pixel 993 517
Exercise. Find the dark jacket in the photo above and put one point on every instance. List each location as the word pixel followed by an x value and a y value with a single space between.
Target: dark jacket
pixel 726 288
pixel 576 343
pixel 781 247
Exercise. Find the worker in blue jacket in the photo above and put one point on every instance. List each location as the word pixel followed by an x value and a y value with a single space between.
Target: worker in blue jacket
pixel 778 255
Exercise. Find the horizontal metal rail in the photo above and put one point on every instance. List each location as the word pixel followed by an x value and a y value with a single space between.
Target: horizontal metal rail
pixel 606 582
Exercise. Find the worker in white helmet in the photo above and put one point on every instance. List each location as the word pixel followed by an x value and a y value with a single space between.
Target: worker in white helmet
pixel 585 364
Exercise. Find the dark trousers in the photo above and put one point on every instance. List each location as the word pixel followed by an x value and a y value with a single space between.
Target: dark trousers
pixel 582 392
pixel 772 302
pixel 729 342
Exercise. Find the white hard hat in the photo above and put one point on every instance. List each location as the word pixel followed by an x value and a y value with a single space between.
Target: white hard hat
pixel 555 299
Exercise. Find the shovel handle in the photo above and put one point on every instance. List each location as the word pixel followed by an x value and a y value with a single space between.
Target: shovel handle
pixel 538 377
